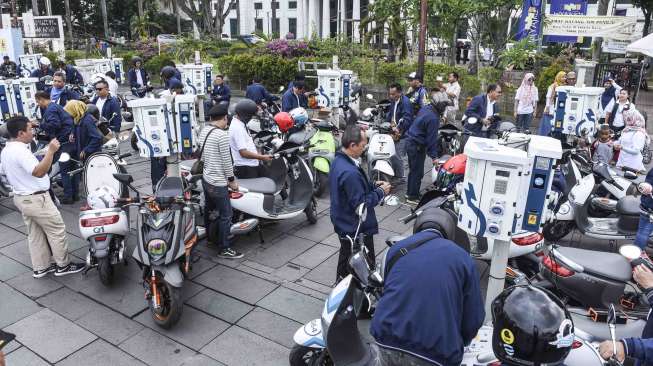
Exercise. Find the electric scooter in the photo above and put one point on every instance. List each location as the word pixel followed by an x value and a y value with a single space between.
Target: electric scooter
pixel 322 150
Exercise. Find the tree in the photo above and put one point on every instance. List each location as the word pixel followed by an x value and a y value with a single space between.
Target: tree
pixel 383 21
pixel 201 13
pixel 596 43
pixel 141 13
pixel 105 22
pixel 69 21
pixel 647 9
pixel 142 25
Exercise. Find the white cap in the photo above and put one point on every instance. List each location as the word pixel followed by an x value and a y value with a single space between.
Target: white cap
pixel 44 61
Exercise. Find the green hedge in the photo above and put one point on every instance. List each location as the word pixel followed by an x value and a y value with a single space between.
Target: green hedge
pixel 274 71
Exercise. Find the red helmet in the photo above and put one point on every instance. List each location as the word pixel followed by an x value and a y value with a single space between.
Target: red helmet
pixel 456 164
pixel 284 121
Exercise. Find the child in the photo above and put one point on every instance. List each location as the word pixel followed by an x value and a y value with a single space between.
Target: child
pixel 602 149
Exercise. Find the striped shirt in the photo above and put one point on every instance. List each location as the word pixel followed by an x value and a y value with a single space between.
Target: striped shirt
pixel 218 165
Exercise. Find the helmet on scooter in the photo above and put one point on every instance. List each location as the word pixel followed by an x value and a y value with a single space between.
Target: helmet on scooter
pixel 246 109
pixel 451 172
pixel 299 116
pixel 531 327
pixel 284 121
pixel 102 197
pixel 435 218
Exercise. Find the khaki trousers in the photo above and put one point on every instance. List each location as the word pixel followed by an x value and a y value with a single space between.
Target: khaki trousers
pixel 46 230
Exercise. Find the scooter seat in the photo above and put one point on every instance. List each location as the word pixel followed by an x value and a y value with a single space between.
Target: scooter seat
pixel 259 185
pixel 597 332
pixel 608 265
pixel 628 205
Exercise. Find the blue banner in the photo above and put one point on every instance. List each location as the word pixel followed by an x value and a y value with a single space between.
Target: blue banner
pixel 529 22
pixel 567 7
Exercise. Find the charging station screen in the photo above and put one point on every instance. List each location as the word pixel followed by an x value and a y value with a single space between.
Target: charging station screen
pixel 541 163
pixel 153 118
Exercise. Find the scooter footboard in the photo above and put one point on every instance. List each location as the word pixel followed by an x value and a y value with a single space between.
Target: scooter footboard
pixel 171 274
pixel 310 335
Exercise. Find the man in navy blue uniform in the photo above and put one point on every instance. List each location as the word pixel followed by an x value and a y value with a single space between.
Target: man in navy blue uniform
pixel 59 92
pixel 349 187
pixel 483 112
pixel 43 70
pixel 420 322
pixel 73 76
pixel 221 92
pixel 108 105
pixel 137 76
pixel 294 98
pixel 298 77
pixel 257 92
pixel 400 115
pixel 57 123
pixel 422 141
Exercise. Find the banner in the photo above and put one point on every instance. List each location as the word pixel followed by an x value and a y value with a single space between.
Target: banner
pixel 567 7
pixel 529 22
pixel 610 45
pixel 621 28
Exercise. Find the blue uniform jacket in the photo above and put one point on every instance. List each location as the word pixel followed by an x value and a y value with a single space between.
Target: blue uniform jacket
pixel 424 130
pixel 38 73
pixel 87 136
pixel 349 188
pixel 131 76
pixel 431 305
pixel 73 76
pixel 221 93
pixel 641 349
pixel 66 95
pixel 258 93
pixel 404 117
pixel 290 101
pixel 57 123
pixel 111 107
pixel 478 108
pixel 647 201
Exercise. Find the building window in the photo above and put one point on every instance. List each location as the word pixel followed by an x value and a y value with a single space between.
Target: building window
pixel 292 26
pixel 259 25
pixel 233 28
pixel 292 5
pixel 276 4
pixel 234 6
pixel 258 6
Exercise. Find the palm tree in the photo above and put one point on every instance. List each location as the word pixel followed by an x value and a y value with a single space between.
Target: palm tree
pixel 142 25
pixel 395 31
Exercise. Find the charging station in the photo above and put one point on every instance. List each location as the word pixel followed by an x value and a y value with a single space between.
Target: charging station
pixel 153 126
pixel 183 107
pixel 197 78
pixel 29 63
pixel 119 69
pixel 23 91
pixel 576 110
pixel 334 87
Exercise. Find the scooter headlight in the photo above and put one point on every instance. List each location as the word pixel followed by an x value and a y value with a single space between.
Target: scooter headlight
pixel 157 248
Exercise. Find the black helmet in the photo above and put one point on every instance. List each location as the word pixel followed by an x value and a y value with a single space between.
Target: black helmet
pixel 531 326
pixel 434 217
pixel 219 110
pixel 246 109
pixel 93 110
pixel 167 72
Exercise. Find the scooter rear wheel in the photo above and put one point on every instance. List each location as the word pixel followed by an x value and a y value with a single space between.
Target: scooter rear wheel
pixel 307 356
pixel 105 269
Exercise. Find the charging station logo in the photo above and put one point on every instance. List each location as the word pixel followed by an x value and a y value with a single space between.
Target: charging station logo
pixel 470 196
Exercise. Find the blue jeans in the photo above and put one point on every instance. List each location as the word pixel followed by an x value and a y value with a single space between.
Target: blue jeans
pixel 70 184
pixel 524 121
pixel 644 230
pixel 416 155
pixel 400 159
pixel 545 125
pixel 217 214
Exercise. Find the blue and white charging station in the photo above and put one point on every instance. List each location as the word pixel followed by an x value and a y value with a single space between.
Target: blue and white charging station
pixel 153 126
pixel 576 110
pixel 197 78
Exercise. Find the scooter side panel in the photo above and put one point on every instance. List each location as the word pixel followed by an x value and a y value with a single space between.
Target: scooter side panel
pixel 310 335
pixel 321 164
pixel 250 203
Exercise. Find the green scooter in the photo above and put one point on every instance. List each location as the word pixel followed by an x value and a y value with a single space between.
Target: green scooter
pixel 323 146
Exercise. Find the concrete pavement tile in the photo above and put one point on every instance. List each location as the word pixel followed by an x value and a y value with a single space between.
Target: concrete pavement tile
pixel 19 252
pixel 310 288
pixel 124 296
pixel 6 206
pixel 190 289
pixel 12 219
pixel 284 248
pixel 332 240
pixel 290 272
pixel 202 265
pixel 325 273
pixel 384 211
pixel 237 346
pixel 9 268
pixel 69 304
pixel 14 306
pixel 318 232
pixel 219 305
pixel 314 256
pixel 292 304
pixel 271 326
pixel 391 223
pixel 235 283
pixel 33 287
pixel 10 236
pixel 200 360
pixel 100 353
pixel 257 266
pixel 24 357
pixel 195 329
pixel 109 325
pixel 155 349
pixel 50 335
pixel 12 346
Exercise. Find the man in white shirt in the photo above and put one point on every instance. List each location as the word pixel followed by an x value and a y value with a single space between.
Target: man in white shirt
pixel 452 88
pixel 243 150
pixel 110 77
pixel 46 230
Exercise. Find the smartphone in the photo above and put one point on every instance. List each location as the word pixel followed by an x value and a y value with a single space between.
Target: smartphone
pixel 5 338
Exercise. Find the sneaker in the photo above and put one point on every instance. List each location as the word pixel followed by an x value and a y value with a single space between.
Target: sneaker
pixel 69 269
pixel 229 253
pixel 412 200
pixel 43 272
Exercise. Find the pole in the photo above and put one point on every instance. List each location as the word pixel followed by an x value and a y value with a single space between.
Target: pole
pixel 422 38
pixel 497 274
pixel 540 26
pixel 273 3
pixel 103 6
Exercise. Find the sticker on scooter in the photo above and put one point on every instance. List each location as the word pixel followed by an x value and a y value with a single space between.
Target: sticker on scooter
pixel 507 336
pixel 509 350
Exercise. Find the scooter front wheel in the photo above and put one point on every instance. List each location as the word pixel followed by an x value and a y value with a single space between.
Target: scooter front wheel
pixel 311 212
pixel 171 306
pixel 307 356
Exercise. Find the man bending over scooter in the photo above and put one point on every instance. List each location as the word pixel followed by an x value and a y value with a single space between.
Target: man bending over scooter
pixel 243 150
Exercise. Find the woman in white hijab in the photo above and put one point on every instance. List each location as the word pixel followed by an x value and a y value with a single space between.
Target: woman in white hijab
pixel 526 102
pixel 633 138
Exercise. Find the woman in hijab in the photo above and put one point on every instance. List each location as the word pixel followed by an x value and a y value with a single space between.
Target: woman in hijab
pixel 87 136
pixel 609 95
pixel 632 140
pixel 549 108
pixel 526 102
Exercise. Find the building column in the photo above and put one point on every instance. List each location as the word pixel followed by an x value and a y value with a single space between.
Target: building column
pixel 300 19
pixel 356 20
pixel 326 19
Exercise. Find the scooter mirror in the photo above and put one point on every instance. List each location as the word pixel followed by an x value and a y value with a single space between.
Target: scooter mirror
pixel 630 175
pixel 64 157
pixel 369 96
pixel 630 251
pixel 391 200
pixel 645 188
pixel 361 210
pixel 612 315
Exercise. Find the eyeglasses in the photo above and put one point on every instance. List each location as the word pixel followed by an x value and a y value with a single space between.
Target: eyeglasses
pixel 99 89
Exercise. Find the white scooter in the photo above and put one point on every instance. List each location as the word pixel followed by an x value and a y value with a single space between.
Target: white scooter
pixel 381 147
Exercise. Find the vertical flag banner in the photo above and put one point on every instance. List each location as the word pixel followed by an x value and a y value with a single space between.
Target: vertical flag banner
pixel 567 7
pixel 529 22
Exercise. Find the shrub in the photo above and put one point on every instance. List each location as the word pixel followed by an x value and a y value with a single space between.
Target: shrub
pixel 547 75
pixel 286 48
pixel 274 71
pixel 154 64
pixel 72 55
pixel 147 48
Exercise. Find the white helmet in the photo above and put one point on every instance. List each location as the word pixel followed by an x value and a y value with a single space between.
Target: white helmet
pixel 102 197
pixel 44 61
pixel 299 116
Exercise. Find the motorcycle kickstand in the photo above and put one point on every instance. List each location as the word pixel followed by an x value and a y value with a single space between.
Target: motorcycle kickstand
pixel 260 234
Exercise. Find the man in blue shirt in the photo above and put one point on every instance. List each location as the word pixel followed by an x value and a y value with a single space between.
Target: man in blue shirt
pixel 400 115
pixel 483 112
pixel 221 92
pixel 257 92
pixel 59 92
pixel 108 105
pixel 137 77
pixel 298 77
pixel 73 76
pixel 422 141
pixel 43 70
pixel 294 98
pixel 420 322
pixel 57 123
pixel 349 187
